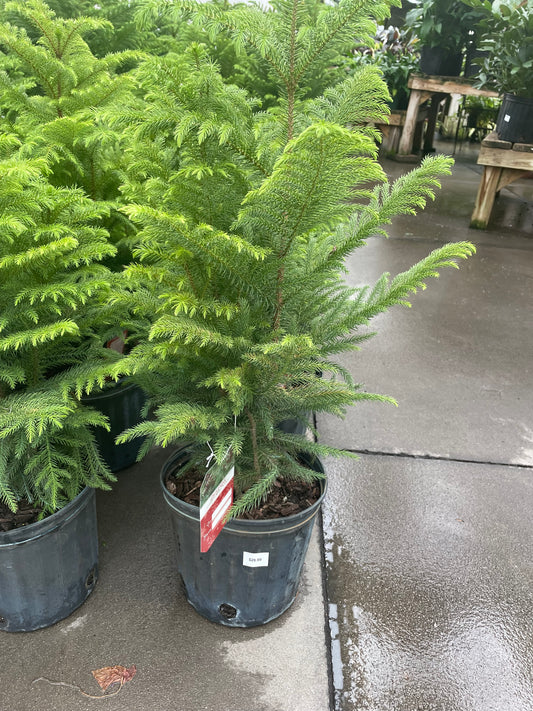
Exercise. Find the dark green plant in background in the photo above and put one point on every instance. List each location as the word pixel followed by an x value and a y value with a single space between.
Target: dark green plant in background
pixel 446 24
pixel 506 37
pixel 482 113
pixel 395 53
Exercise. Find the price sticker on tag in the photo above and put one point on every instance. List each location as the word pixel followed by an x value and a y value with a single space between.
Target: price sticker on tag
pixel 216 498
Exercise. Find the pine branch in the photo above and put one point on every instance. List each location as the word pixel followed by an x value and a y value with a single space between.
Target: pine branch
pixel 386 294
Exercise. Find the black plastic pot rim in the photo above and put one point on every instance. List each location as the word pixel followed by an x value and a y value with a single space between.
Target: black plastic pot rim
pixel 518 99
pixel 33 531
pixel 239 526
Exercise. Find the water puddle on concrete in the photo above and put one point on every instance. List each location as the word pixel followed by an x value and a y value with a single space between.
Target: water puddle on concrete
pixel 411 637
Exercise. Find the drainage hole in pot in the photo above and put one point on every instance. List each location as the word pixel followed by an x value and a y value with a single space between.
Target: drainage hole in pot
pixel 227 611
pixel 91 579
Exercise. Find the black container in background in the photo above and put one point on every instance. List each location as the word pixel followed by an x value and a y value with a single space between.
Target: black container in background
pixel 122 404
pixel 473 55
pixel 436 61
pixel 48 568
pixel 515 119
pixel 218 584
pixel 294 425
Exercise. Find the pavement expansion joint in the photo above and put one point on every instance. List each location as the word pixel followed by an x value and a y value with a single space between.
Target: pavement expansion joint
pixel 437 458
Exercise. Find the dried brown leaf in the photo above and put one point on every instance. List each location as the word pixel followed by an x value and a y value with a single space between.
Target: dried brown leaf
pixel 114 675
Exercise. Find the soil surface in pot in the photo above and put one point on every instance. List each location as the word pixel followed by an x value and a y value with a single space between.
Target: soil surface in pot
pixel 285 499
pixel 26 513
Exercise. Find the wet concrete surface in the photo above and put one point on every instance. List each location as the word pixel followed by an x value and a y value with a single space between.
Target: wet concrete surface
pixel 463 351
pixel 430 575
pixel 459 362
pixel 429 545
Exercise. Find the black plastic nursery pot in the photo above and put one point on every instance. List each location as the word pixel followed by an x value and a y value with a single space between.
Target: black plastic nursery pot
pixel 515 119
pixel 122 404
pixel 437 61
pixel 49 568
pixel 250 574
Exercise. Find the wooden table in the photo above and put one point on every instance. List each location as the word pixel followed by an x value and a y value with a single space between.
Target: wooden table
pixel 436 89
pixel 503 162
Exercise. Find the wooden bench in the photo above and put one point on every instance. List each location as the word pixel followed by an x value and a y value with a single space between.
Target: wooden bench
pixel 436 89
pixel 503 162
pixel 392 131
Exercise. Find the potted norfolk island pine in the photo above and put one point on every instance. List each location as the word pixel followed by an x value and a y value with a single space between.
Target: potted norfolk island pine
pixel 245 220
pixel 54 288
pixel 52 88
pixel 507 64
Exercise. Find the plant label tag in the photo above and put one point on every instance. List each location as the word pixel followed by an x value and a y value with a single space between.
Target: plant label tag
pixel 216 498
pixel 255 560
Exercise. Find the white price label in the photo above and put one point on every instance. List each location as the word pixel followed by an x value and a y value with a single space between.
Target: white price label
pixel 507 118
pixel 255 560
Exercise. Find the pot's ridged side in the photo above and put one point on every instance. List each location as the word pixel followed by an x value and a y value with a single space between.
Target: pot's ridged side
pixel 218 584
pixel 48 569
pixel 515 119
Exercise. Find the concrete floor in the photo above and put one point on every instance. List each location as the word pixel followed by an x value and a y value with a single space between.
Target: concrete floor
pixel 428 539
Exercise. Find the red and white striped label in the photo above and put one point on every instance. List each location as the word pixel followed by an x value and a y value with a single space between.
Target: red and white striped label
pixel 213 511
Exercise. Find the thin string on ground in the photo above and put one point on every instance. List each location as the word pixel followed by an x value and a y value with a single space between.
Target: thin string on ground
pixel 73 686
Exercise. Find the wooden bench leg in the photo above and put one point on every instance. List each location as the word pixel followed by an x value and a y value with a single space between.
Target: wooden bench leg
pixel 492 181
pixel 485 197
pixel 432 122
pixel 405 147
